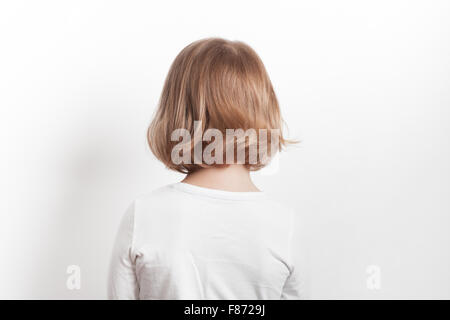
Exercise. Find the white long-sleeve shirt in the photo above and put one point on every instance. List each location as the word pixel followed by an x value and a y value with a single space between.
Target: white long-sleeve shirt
pixel 187 242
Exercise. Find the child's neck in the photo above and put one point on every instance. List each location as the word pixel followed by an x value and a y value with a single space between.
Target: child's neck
pixel 232 178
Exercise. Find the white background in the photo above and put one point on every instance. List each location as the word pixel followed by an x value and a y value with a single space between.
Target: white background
pixel 364 84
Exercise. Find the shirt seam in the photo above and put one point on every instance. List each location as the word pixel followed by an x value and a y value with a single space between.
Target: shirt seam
pixel 133 227
pixel 291 239
pixel 256 198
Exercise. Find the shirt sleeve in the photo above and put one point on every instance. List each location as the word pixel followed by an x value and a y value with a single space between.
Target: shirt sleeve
pixel 296 284
pixel 122 282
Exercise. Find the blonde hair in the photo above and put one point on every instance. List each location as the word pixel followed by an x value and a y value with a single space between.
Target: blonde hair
pixel 221 83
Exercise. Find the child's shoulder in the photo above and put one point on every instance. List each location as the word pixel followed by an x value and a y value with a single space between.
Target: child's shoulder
pixel 160 194
pixel 170 197
pixel 275 204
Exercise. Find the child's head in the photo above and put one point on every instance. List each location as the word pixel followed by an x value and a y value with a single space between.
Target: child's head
pixel 223 84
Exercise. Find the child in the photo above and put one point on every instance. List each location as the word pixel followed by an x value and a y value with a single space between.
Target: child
pixel 213 235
